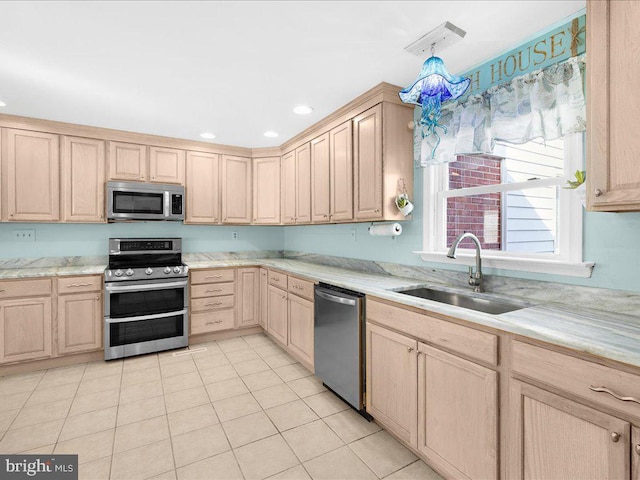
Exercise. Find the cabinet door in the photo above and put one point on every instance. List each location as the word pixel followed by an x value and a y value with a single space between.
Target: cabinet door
pixel 320 179
pixel 367 161
pixel 301 328
pixel 392 381
pixel 33 169
pixel 613 108
pixel 264 294
pixel 303 184
pixel 553 437
pixel 266 190
pixel 80 320
pixel 457 414
pixel 127 161
pixel 236 189
pixel 277 316
pixel 25 329
pixel 248 295
pixel 288 198
pixel 166 165
pixel 341 170
pixel 202 188
pixel 635 453
pixel 83 180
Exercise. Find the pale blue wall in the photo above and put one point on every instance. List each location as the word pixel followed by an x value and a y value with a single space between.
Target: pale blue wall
pixel 55 240
pixel 611 240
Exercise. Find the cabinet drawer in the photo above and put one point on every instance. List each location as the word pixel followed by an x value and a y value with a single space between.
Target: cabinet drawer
pixel 302 288
pixel 278 279
pixel 577 376
pixel 475 344
pixel 25 288
pixel 212 290
pixel 212 321
pixel 217 303
pixel 85 283
pixel 213 276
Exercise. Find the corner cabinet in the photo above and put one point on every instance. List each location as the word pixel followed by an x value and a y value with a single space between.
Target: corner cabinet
pixel 236 189
pixel 32 165
pixel 202 188
pixel 382 155
pixel 83 177
pixel 613 106
pixel 266 191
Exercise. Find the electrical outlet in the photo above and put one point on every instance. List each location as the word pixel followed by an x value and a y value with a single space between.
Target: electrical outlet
pixel 24 235
pixel 234 235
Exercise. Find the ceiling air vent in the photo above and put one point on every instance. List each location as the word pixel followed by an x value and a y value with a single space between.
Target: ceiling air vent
pixel 443 36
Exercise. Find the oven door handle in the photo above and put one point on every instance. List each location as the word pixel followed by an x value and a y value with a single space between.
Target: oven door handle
pixel 146 286
pixel 145 317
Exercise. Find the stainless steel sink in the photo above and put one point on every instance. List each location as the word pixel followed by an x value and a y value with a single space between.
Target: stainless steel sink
pixel 485 305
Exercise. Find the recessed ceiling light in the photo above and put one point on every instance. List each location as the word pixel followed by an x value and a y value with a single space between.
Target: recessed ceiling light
pixel 207 135
pixel 303 110
pixel 2 104
pixel 270 134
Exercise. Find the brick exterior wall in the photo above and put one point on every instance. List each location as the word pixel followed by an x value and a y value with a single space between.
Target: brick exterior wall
pixel 467 214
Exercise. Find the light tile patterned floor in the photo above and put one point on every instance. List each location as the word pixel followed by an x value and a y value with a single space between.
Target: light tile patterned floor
pixel 241 409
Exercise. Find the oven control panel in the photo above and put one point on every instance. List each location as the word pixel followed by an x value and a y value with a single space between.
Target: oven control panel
pixel 170 271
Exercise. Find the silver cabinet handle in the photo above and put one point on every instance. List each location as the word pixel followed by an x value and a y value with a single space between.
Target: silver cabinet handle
pixel 638 449
pixel 597 192
pixel 1 291
pixel 409 349
pixel 214 290
pixel 214 322
pixel 615 436
pixel 613 394
pixel 213 276
pixel 212 304
pixel 74 285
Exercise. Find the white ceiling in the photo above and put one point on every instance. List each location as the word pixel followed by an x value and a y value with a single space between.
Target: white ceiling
pixel 233 68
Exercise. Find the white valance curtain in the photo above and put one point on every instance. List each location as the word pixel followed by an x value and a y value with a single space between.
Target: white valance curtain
pixel 545 104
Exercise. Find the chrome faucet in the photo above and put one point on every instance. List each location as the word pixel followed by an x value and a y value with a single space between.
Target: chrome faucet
pixel 475 280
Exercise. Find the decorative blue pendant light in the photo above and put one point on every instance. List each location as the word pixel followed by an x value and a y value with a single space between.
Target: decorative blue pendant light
pixel 434 86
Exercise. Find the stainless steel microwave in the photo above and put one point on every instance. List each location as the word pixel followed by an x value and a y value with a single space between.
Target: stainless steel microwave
pixel 144 201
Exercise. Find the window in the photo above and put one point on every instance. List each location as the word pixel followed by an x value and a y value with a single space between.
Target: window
pixel 513 201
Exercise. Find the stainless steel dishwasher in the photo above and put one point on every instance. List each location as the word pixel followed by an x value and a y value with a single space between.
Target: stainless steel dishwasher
pixel 339 341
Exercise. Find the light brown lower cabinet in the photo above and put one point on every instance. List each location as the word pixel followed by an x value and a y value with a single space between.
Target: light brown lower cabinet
pixel 264 297
pixel 25 329
pixel 247 295
pixel 556 438
pixel 277 318
pixel 300 327
pixel 457 414
pixel 635 453
pixel 80 322
pixel 392 381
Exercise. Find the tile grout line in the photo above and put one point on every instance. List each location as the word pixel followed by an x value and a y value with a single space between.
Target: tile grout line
pixel 115 427
pixel 166 416
pixel 23 405
pixel 67 415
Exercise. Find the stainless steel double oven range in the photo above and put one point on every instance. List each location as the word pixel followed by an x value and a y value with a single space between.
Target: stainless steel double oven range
pixel 146 297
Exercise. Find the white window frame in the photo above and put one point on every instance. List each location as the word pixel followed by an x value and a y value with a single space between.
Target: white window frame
pixel 568 260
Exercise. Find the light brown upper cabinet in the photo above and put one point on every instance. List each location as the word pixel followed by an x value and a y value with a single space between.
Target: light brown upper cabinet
pixel 266 191
pixel 236 189
pixel 33 176
pixel 303 184
pixel 367 140
pixel 320 208
pixel 166 165
pixel 127 161
pixel 613 105
pixel 202 188
pixel 83 177
pixel 296 185
pixel 378 165
pixel 341 173
pixel 288 197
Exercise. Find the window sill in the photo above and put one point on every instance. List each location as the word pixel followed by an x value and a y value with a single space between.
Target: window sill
pixel 550 266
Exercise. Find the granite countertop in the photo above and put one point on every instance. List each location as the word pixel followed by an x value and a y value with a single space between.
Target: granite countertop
pixel 608 335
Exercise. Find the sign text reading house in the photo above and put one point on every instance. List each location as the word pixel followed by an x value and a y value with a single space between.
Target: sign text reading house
pixel 555 46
